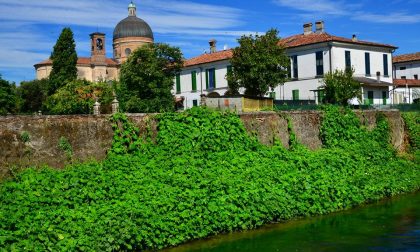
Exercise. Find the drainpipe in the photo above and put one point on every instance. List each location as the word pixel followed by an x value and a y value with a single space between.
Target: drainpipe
pixel 330 46
pixel 201 80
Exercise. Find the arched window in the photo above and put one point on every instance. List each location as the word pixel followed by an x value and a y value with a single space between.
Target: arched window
pixel 127 52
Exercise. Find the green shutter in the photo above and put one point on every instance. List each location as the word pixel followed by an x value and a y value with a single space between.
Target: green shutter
pixel 370 97
pixel 384 97
pixel 178 83
pixel 207 79
pixel 295 94
pixel 194 80
pixel 214 77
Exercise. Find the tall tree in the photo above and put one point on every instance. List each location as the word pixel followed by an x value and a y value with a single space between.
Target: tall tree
pixel 258 64
pixel 147 78
pixel 33 95
pixel 8 97
pixel 64 58
pixel 340 87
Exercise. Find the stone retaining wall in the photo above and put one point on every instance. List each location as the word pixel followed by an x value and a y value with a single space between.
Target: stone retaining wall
pixel 91 136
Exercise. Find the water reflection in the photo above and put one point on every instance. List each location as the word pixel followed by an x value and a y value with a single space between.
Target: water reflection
pixel 391 225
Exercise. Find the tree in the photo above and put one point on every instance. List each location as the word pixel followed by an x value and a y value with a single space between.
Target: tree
pixel 33 94
pixel 78 97
pixel 8 97
pixel 147 78
pixel 64 59
pixel 258 64
pixel 340 87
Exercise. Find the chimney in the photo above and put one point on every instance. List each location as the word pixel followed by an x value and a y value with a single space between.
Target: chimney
pixel 354 38
pixel 378 76
pixel 307 28
pixel 212 45
pixel 320 28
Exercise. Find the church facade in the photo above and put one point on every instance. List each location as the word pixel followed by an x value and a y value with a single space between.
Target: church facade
pixel 129 34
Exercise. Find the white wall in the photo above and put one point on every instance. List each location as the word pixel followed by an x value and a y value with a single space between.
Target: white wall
pixel 412 68
pixel 357 56
pixel 186 82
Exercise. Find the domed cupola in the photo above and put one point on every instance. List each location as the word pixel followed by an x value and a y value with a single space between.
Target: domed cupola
pixel 130 33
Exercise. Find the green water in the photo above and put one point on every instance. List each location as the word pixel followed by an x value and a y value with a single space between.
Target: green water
pixel 390 225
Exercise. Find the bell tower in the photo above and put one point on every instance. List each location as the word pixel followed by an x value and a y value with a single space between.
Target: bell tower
pixel 97 48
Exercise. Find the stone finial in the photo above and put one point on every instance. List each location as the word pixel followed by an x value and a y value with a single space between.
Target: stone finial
pixel 203 100
pixel 115 105
pixel 97 108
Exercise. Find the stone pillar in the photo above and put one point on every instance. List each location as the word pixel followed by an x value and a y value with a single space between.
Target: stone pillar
pixel 97 108
pixel 203 100
pixel 115 105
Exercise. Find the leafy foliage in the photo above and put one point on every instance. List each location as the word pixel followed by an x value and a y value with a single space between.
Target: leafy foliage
pixel 202 176
pixel 64 58
pixel 340 87
pixel 8 98
pixel 147 78
pixel 78 97
pixel 33 94
pixel 412 124
pixel 258 64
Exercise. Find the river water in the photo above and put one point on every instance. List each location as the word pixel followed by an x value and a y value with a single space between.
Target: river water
pixel 390 225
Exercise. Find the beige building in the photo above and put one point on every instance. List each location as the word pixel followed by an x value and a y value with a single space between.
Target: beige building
pixel 129 34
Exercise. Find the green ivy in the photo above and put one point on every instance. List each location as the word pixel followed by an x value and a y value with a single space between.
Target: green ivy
pixel 202 175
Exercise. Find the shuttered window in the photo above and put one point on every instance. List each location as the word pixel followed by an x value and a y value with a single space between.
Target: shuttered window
pixel 386 65
pixel 194 81
pixel 367 64
pixel 319 63
pixel 178 83
pixel 295 94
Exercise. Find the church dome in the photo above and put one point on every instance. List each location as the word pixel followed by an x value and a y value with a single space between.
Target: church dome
pixel 132 26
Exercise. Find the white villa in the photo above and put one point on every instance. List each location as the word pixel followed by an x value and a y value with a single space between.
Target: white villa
pixel 312 54
pixel 406 71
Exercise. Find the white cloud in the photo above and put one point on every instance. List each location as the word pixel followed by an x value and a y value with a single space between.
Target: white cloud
pixel 324 7
pixel 351 10
pixel 393 18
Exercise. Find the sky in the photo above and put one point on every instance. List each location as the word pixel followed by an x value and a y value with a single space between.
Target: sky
pixel 30 28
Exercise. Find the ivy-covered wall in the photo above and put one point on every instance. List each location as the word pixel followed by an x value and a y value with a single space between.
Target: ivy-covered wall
pixel 59 140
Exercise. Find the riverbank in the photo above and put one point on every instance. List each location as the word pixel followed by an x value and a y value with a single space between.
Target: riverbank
pixel 200 176
pixel 392 224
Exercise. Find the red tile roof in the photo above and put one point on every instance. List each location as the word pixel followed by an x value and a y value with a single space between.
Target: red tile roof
pixel 289 42
pixel 404 83
pixel 315 38
pixel 80 61
pixel 406 57
pixel 209 57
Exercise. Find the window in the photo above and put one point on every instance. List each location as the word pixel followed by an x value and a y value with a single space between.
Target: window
pixel 386 65
pixel 178 84
pixel 195 103
pixel 367 64
pixel 384 97
pixel 127 52
pixel 194 81
pixel 289 68
pixel 403 77
pixel 321 96
pixel 295 95
pixel 403 68
pixel 211 78
pixel 348 60
pixel 370 98
pixel 416 77
pixel 319 63
pixel 295 67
